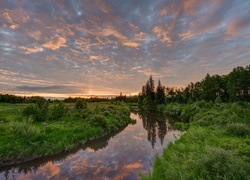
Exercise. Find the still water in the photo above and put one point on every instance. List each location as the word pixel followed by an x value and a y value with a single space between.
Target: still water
pixel 119 155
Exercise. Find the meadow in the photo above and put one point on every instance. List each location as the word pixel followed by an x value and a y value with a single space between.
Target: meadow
pixel 215 146
pixel 33 130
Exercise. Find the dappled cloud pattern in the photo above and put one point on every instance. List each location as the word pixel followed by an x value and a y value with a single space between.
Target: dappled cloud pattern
pixel 103 46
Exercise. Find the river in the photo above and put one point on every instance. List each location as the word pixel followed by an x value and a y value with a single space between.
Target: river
pixel 120 155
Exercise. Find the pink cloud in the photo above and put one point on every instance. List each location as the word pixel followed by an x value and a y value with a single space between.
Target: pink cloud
pixel 55 43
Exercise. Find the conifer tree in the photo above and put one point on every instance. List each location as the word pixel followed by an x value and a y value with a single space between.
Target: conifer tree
pixel 160 94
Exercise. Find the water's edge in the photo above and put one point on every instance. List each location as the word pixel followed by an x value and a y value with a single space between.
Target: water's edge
pixel 75 148
pixel 117 155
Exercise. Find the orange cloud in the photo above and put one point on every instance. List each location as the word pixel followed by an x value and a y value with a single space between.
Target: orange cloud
pixel 133 26
pixel 186 35
pixel 13 26
pixel 161 33
pixel 131 44
pixel 124 39
pixel 55 43
pixel 30 50
pixel 98 58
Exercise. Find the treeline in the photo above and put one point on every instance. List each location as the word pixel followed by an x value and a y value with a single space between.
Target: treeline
pixel 150 97
pixel 9 98
pixel 232 87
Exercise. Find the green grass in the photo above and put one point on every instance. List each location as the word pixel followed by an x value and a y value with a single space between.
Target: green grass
pixel 23 138
pixel 216 146
pixel 8 111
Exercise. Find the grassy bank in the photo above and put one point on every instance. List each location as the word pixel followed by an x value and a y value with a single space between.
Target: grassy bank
pixel 216 145
pixel 24 135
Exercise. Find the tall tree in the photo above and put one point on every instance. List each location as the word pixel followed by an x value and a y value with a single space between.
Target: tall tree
pixel 160 94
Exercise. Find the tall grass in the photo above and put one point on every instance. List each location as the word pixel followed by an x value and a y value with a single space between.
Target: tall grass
pixel 29 135
pixel 216 146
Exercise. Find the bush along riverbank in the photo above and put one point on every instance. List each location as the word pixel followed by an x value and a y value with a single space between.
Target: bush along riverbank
pixel 216 145
pixel 30 131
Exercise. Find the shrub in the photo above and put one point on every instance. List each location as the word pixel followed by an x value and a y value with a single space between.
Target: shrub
pixel 39 112
pixel 217 163
pixel 173 109
pixel 80 104
pixel 238 129
pixel 58 111
pixel 160 108
pixel 99 120
pixel 30 110
pixel 218 100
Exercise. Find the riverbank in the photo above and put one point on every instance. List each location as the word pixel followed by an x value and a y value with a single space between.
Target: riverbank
pixel 216 145
pixel 25 138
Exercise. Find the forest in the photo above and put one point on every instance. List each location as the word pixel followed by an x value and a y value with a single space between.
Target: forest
pixel 232 87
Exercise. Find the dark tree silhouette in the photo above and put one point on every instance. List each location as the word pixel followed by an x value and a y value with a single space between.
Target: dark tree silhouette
pixel 160 94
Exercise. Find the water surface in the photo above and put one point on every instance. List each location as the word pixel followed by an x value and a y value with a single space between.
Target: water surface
pixel 119 155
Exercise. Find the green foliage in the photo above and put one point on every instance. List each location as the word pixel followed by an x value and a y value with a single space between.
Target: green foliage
pixel 226 88
pixel 160 94
pixel 58 111
pixel 30 110
pixel 173 109
pixel 160 108
pixel 39 111
pixel 31 137
pixel 218 100
pixel 80 104
pixel 182 125
pixel 99 120
pixel 238 129
pixel 149 98
pixel 216 145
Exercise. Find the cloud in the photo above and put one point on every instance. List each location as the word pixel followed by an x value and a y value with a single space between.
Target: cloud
pixel 109 44
pixel 237 25
pixel 27 50
pixel 7 16
pixel 135 68
pixel 14 26
pixel 55 43
pixel 98 58
pixel 133 26
pixel 38 88
pixel 111 31
pixel 162 34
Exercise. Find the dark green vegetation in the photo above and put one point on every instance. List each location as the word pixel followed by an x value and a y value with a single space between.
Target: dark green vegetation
pixel 216 145
pixel 29 131
pixel 149 99
pixel 232 87
pixel 216 114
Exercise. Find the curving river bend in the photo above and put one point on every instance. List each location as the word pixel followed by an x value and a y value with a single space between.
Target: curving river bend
pixel 119 155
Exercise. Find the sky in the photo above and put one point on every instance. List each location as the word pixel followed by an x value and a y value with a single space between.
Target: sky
pixel 61 48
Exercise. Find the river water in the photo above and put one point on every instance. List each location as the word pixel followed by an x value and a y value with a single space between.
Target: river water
pixel 120 155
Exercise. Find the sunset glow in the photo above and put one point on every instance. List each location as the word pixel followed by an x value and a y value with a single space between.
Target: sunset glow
pixel 104 47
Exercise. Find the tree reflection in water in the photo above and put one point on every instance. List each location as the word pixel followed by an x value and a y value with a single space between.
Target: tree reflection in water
pixel 114 155
pixel 155 124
